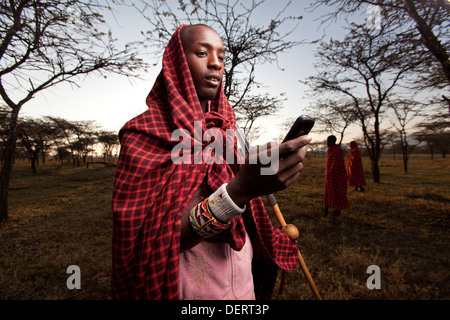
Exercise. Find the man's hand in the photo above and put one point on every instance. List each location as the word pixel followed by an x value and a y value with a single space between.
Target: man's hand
pixel 250 183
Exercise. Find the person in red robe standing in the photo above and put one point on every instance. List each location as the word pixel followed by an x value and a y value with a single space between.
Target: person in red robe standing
pixel 164 210
pixel 335 179
pixel 355 171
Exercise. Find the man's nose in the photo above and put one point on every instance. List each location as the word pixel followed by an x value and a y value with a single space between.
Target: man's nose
pixel 214 62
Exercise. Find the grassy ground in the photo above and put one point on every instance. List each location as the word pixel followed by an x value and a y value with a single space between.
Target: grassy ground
pixel 400 225
pixel 62 216
pixel 59 217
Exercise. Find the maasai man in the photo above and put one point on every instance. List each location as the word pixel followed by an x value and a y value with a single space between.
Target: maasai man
pixel 195 230
pixel 355 171
pixel 335 179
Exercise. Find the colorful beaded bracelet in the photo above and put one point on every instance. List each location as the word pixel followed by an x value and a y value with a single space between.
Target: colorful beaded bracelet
pixel 203 222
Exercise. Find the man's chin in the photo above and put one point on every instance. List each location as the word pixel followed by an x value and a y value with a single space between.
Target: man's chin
pixel 209 97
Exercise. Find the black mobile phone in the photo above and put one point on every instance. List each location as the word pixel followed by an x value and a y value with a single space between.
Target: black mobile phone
pixel 301 126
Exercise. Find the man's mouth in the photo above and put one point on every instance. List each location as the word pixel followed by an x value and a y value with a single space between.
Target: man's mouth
pixel 213 81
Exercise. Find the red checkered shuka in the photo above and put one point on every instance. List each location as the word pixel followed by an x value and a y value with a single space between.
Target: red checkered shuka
pixel 335 179
pixel 151 191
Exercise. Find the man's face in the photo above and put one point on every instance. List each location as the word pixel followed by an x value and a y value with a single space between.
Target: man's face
pixel 330 142
pixel 205 54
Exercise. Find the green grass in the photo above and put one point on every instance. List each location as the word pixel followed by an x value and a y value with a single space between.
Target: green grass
pixel 62 216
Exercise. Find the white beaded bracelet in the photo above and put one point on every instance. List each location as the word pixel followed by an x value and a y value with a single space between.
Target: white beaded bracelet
pixel 213 215
pixel 222 206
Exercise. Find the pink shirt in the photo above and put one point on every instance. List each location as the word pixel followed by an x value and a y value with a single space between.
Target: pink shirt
pixel 214 271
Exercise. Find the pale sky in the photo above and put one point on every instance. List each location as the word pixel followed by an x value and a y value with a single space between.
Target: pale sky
pixel 113 101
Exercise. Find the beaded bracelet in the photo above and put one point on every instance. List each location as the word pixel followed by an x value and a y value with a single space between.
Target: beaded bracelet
pixel 209 216
pixel 203 222
pixel 222 206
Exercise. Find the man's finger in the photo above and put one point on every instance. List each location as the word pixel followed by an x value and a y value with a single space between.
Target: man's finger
pixel 292 145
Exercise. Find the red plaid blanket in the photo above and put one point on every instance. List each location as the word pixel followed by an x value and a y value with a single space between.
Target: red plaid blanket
pixel 150 191
pixel 335 179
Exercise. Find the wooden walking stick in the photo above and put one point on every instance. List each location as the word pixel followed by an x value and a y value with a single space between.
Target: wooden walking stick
pixel 293 233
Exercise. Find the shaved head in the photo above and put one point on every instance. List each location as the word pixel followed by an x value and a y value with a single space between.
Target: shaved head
pixel 185 33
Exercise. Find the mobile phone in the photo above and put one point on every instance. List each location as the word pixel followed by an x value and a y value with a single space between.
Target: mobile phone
pixel 301 126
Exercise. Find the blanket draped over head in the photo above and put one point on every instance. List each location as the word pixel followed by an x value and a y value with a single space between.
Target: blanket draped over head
pixel 151 191
pixel 355 171
pixel 335 179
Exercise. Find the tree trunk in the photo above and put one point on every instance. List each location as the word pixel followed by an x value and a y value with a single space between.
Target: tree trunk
pixel 4 184
pixel 404 143
pixel 429 38
pixel 448 102
pixel 405 163
pixel 376 151
pixel 6 173
pixel 375 170
pixel 34 160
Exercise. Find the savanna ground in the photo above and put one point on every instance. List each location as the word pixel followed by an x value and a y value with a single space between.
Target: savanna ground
pixel 62 216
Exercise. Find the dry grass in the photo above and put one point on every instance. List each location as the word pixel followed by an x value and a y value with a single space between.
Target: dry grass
pixel 400 224
pixel 62 216
pixel 59 217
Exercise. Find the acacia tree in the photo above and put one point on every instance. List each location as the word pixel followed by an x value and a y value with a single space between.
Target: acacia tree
pixel 365 67
pixel 425 24
pixel 256 106
pixel 109 142
pixel 247 44
pixel 436 133
pixel 334 116
pixel 34 135
pixel 63 138
pixel 405 110
pixel 84 138
pixel 45 43
pixel 76 136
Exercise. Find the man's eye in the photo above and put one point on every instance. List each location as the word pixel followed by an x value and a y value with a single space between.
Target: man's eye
pixel 201 53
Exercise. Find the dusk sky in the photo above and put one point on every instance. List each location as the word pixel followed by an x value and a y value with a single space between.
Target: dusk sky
pixel 114 100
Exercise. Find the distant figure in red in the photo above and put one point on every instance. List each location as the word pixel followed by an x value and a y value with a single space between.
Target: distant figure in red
pixel 335 179
pixel 355 170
